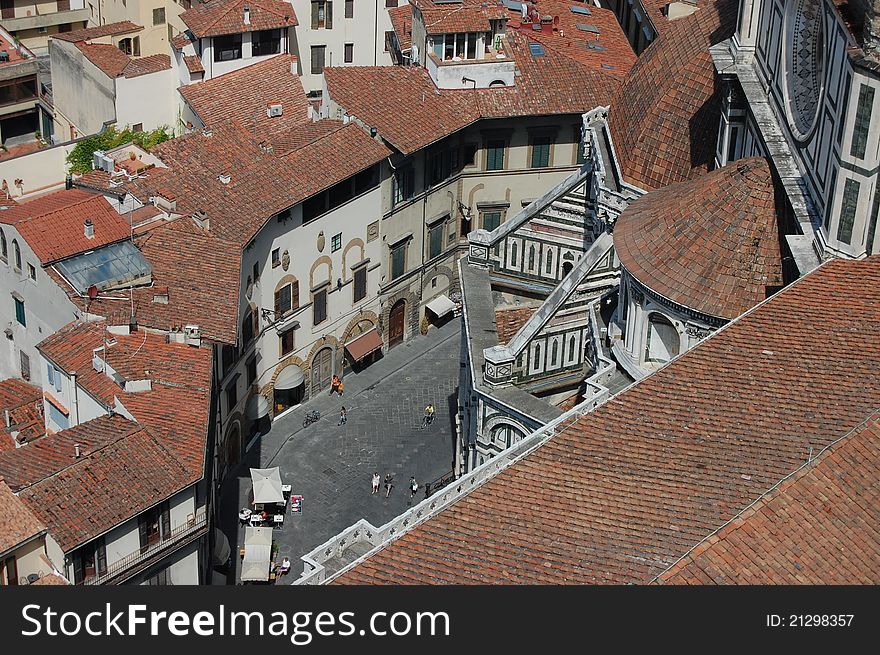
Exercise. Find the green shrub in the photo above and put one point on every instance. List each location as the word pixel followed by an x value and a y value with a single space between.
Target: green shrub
pixel 80 158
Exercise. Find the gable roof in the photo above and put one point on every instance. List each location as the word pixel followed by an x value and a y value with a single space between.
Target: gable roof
pixel 24 402
pixel 817 527
pixel 395 99
pixel 110 484
pixel 710 244
pixel 219 17
pixel 619 494
pixel 89 33
pixel 53 225
pixel 245 94
pixel 665 119
pixel 176 407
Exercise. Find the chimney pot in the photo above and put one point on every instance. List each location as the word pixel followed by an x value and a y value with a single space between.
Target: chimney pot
pixel 77 451
pixel 89 229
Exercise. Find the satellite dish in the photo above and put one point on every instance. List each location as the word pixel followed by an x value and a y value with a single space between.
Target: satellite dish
pixel 93 292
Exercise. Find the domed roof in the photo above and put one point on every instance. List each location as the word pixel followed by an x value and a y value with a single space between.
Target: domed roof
pixel 710 244
pixel 664 120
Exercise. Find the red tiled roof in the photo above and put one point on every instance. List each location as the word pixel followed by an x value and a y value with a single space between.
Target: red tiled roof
pixel 818 527
pixel 109 485
pixel 193 64
pixel 220 17
pixel 180 41
pixel 53 226
pixel 46 456
pixel 465 16
pixel 395 100
pixel 664 120
pixel 175 409
pixel 620 494
pixel 401 21
pixel 146 65
pixel 115 63
pixel 610 51
pixel 710 244
pixel 109 59
pixel 509 321
pixel 111 29
pixel 17 523
pixel 302 135
pixel 24 402
pixel 51 579
pixel 244 95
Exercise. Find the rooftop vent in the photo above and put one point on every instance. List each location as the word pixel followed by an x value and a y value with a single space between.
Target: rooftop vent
pixel 225 178
pixel 581 10
pixel 247 14
pixel 89 229
pixel 77 450
pixel 584 27
pixel 596 47
pixel 274 109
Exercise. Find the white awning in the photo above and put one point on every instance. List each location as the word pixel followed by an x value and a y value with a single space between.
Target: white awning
pixel 441 306
pixel 257 407
pixel 267 485
pixel 254 571
pixel 290 378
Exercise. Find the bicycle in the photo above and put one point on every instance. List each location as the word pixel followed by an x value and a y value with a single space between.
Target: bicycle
pixel 311 417
pixel 427 419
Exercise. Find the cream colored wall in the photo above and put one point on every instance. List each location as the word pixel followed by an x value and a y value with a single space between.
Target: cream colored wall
pixel 28 560
pixel 154 38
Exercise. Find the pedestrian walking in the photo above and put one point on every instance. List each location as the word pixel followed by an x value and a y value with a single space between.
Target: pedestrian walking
pixel 375 483
pixel 413 487
pixel 334 384
pixel 389 484
pixel 343 416
pixel 339 388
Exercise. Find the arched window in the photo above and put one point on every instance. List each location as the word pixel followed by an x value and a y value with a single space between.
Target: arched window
pixel 494 84
pixel 554 352
pixel 248 327
pixel 531 257
pixel 572 342
pixel 663 341
pixel 536 358
pixel 4 250
pixel 513 254
pixel 16 251
pixel 566 268
pixel 549 262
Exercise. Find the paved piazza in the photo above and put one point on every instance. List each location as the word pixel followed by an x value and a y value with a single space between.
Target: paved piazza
pixel 331 466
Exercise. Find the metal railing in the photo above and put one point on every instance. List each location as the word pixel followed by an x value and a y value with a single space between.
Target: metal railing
pixel 177 535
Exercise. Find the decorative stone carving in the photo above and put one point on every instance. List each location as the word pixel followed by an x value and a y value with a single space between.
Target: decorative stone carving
pixel 697 332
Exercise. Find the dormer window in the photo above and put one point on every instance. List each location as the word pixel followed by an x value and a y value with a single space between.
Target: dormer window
pixel 227 48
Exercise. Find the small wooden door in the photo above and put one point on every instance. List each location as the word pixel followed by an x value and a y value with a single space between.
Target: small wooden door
pixel 322 370
pixel 396 323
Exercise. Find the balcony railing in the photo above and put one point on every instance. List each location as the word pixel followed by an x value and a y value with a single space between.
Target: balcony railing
pixel 179 534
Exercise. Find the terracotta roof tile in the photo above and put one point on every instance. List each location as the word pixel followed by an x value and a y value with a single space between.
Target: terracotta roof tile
pixel 465 16
pixel 110 484
pixel 664 120
pixel 509 321
pixel 621 493
pixel 244 95
pixel 710 244
pixel 17 523
pixel 401 21
pixel 395 99
pixel 24 402
pixel 108 58
pixel 175 409
pixel 146 65
pixel 111 29
pixel 818 527
pixel 220 17
pixel 53 225
pixel 193 64
pixel 180 41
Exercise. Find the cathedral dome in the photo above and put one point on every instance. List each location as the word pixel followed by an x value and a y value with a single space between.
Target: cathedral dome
pixel 710 244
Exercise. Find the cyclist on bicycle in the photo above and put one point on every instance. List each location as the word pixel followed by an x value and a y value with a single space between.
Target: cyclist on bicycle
pixel 429 415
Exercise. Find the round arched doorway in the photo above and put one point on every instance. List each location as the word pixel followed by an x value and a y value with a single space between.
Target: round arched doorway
pixel 396 323
pixel 322 370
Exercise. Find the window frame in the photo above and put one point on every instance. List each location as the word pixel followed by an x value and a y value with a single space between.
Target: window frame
pixel 20 315
pixel 400 247
pixel 282 337
pixel 314 67
pixel 235 48
pixel 359 283
pixel 490 149
pixel 348 53
pixel 542 150
pixel 319 306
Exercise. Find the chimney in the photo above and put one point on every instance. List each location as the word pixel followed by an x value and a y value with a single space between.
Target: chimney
pixel 89 229
pixel 247 14
pixel 8 419
pixel 77 451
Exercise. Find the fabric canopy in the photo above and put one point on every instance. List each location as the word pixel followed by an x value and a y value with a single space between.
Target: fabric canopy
pixel 290 378
pixel 257 553
pixel 267 485
pixel 441 306
pixel 257 407
pixel 367 343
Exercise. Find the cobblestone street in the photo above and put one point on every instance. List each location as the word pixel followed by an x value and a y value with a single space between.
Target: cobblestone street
pixel 331 466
